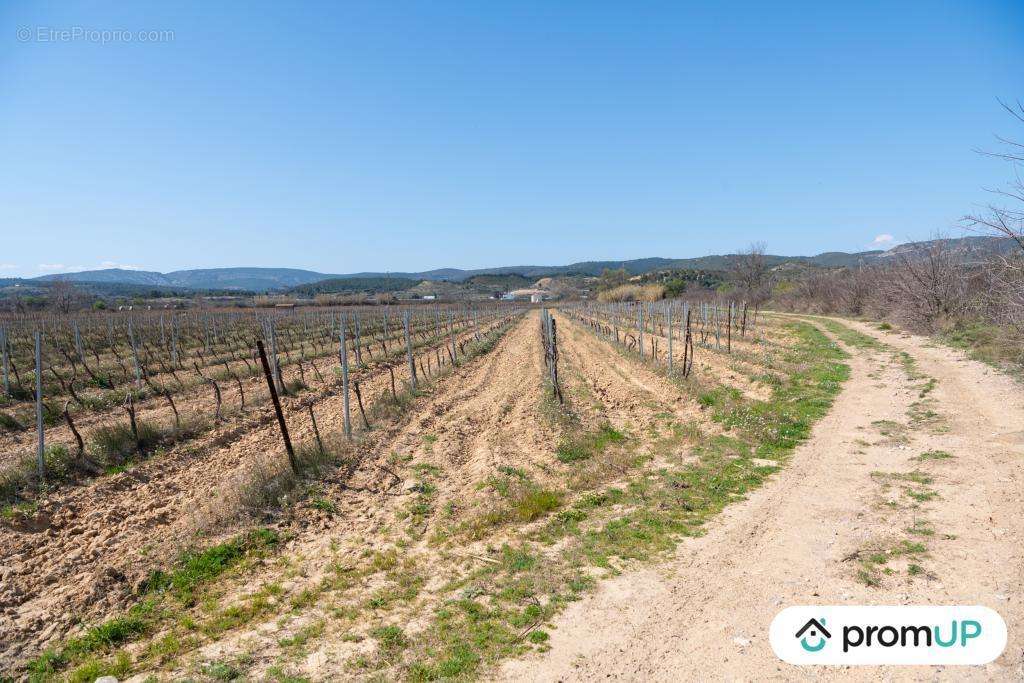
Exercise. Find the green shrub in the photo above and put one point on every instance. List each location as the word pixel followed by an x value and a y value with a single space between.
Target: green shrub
pixel 115 443
pixel 9 423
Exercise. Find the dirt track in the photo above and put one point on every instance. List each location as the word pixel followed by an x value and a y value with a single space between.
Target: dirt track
pixel 705 614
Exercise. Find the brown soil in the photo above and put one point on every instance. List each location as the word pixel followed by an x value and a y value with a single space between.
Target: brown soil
pixel 87 548
pixel 798 540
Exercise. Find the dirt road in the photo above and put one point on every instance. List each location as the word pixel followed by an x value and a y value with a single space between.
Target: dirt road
pixel 909 492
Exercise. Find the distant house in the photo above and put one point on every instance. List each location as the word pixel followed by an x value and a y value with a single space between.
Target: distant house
pixel 429 297
pixel 533 295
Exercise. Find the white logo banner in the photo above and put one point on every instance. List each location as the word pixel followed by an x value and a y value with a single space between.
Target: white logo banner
pixel 836 634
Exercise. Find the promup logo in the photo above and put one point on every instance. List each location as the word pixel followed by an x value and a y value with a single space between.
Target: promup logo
pixel 888 635
pixel 817 630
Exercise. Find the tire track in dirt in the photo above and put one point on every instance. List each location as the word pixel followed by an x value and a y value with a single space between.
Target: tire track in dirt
pixel 705 613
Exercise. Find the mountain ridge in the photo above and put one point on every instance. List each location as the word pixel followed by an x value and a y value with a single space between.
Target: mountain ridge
pixel 255 279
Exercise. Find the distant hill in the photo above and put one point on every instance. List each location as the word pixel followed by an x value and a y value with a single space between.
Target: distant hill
pixel 283 279
pixel 967 248
pixel 232 279
pixel 13 287
pixel 347 285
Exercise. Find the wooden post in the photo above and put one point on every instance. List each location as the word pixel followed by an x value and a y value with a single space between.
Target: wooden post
pixel 275 366
pixel 408 352
pixel 6 361
pixel 359 400
pixel 343 357
pixel 135 355
pixel 129 407
pixel 688 348
pixel 277 406
pixel 41 441
pixel 359 353
pixel 668 324
pixel 554 359
pixel 175 324
pixel 640 329
pixel 217 398
pixel 728 329
pixel 316 430
pixel 451 325
pixel 71 426
pixel 78 341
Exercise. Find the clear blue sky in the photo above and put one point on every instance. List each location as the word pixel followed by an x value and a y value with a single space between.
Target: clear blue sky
pixel 349 136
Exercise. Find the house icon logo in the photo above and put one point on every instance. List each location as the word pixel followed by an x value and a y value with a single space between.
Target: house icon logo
pixel 816 631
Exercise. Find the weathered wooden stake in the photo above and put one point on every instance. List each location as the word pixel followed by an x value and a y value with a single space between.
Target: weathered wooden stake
pixel 668 324
pixel 277 406
pixel 316 430
pixel 129 407
pixel 408 352
pixel 40 428
pixel 359 400
pixel 71 426
pixel 6 361
pixel 343 357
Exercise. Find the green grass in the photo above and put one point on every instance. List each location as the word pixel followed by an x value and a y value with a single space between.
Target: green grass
pixel 934 455
pixel 588 445
pixel 195 568
pixel 641 520
pixel 95 650
pixel 852 337
pixel 324 505
pixel 390 639
pixel 19 482
pixel 921 495
pixel 987 343
pixel 521 501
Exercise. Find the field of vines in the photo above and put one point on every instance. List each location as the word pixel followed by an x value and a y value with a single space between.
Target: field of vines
pixel 171 483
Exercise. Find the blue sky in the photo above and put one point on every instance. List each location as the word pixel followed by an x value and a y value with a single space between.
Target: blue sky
pixel 351 136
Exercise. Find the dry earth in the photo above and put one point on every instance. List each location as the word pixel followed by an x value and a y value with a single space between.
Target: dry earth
pixel 801 538
pixel 86 548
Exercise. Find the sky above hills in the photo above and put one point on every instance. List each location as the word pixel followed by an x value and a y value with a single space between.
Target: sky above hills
pixel 369 136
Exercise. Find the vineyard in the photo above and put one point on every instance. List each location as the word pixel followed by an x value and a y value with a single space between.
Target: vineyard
pixel 412 491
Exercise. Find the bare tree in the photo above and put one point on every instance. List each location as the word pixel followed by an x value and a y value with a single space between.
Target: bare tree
pixel 1005 291
pixel 1004 221
pixel 63 295
pixel 749 270
pixel 930 286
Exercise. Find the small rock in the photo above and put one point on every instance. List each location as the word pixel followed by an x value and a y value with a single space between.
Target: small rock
pixel 741 641
pixel 107 679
